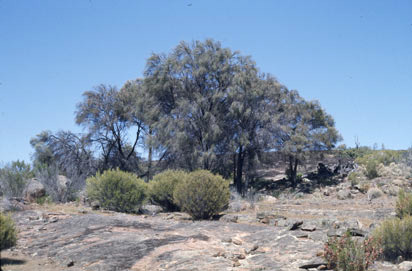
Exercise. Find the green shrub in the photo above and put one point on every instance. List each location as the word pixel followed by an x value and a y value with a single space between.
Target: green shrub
pixel 202 194
pixel 396 238
pixel 404 204
pixel 355 153
pixel 162 186
pixel 354 178
pixel 8 234
pixel 372 159
pixel 43 200
pixel 13 178
pixel 349 254
pixel 384 157
pixel 117 190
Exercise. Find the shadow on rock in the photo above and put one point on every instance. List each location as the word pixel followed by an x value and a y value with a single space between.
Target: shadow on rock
pixel 8 261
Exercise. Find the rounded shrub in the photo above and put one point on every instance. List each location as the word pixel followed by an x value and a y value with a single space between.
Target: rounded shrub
pixel 162 186
pixel 202 194
pixel 117 190
pixel 8 235
pixel 396 238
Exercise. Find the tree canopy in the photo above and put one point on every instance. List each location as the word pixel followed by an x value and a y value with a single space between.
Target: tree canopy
pixel 201 106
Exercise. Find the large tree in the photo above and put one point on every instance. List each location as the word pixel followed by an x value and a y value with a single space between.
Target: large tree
pixel 212 108
pixel 256 105
pixel 188 91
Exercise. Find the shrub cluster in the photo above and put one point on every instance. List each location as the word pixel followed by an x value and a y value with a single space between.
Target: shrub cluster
pixel 8 235
pixel 396 237
pixel 396 234
pixel 13 178
pixel 349 254
pixel 117 190
pixel 202 194
pixel 371 160
pixel 404 204
pixel 162 187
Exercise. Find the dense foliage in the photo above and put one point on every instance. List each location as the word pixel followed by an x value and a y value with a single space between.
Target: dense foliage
pixel 202 194
pixel 201 106
pixel 404 204
pixel 372 159
pixel 117 190
pixel 396 237
pixel 162 187
pixel 8 234
pixel 348 254
pixel 13 178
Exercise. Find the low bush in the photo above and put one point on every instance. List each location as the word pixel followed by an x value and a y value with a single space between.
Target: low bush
pixel 8 234
pixel 372 159
pixel 162 186
pixel 354 178
pixel 396 238
pixel 13 178
pixel 349 254
pixel 202 194
pixel 117 190
pixel 372 169
pixel 404 204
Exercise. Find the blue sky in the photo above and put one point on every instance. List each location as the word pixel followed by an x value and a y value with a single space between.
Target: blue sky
pixel 355 57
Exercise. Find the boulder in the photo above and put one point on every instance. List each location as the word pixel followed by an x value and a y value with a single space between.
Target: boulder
pixel 62 183
pixel 34 190
pixel 344 194
pixel 150 209
pixel 95 205
pixel 229 218
pixel 12 204
pixel 239 205
pixel 295 224
pixel 374 193
pixel 405 265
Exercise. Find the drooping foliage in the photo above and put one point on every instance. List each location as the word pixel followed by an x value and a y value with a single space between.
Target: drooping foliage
pixel 188 91
pixel 306 128
pixel 108 115
pixel 201 106
pixel 214 110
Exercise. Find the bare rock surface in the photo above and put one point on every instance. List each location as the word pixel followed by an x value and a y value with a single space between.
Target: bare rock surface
pixel 275 233
pixel 128 242
pixel 288 235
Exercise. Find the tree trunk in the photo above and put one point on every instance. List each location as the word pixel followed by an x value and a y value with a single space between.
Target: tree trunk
pixel 149 158
pixel 293 167
pixel 239 168
pixel 234 168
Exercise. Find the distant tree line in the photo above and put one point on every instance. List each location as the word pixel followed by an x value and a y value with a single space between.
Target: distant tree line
pixel 201 106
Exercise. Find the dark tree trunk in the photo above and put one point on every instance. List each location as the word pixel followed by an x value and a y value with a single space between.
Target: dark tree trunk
pixel 293 168
pixel 239 168
pixel 149 158
pixel 234 168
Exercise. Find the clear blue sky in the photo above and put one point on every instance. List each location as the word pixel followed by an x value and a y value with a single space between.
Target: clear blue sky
pixel 355 57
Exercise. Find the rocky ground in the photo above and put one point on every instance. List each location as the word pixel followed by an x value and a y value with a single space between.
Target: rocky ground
pixel 286 232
